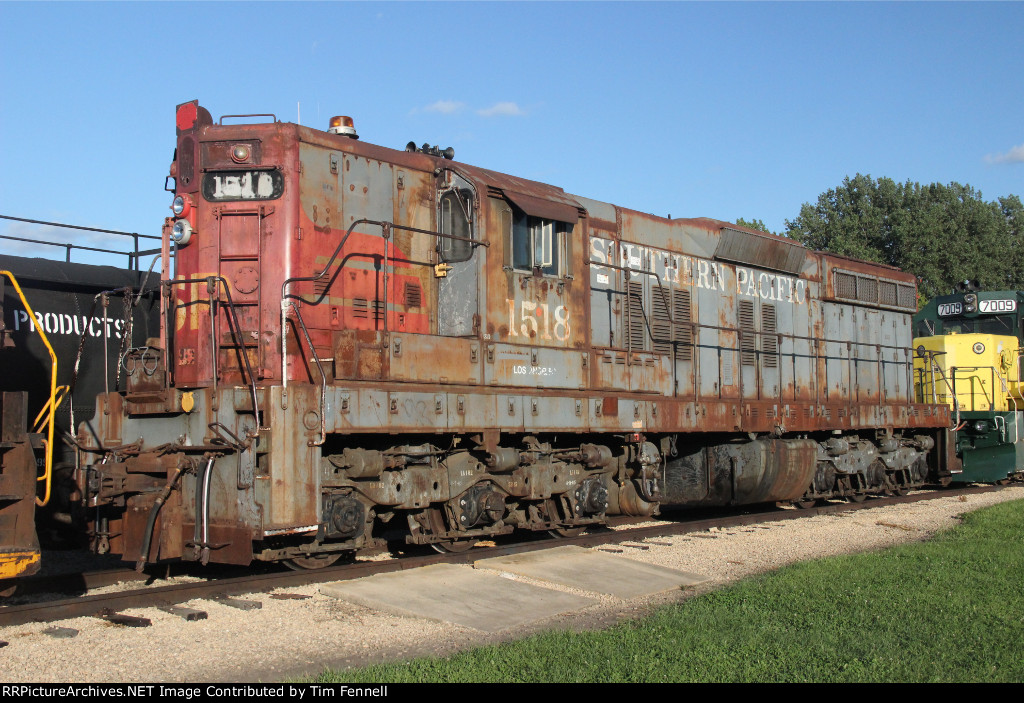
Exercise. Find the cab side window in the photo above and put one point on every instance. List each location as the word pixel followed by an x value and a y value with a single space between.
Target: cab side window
pixel 538 244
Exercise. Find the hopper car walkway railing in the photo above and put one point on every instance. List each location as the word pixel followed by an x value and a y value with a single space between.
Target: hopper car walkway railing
pixel 133 256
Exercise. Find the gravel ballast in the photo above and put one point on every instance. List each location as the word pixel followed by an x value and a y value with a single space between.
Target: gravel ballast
pixel 296 637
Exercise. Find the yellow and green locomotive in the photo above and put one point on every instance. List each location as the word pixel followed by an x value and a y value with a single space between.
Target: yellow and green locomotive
pixel 970 357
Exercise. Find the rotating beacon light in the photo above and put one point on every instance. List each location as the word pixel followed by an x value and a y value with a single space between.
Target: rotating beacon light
pixel 344 126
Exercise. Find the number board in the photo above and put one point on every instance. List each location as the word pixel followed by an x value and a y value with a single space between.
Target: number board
pixel 997 305
pixel 947 309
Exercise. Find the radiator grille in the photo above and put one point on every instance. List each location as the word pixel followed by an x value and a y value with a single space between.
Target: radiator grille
pixel 846 286
pixel 874 291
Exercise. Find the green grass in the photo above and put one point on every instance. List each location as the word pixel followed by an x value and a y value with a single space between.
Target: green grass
pixel 950 609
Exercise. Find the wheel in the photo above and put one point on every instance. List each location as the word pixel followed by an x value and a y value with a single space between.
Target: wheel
pixel 456 546
pixel 316 561
pixel 560 532
pixel 805 504
pixel 858 497
pixel 900 491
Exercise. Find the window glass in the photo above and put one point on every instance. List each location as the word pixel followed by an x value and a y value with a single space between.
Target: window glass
pixel 456 219
pixel 992 324
pixel 522 257
pixel 537 243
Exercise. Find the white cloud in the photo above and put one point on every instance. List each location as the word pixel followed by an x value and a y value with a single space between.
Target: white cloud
pixel 501 109
pixel 445 107
pixel 1013 156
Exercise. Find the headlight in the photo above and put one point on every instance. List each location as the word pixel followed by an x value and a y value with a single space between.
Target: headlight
pixel 981 427
pixel 181 206
pixel 181 233
pixel 240 153
pixel 971 302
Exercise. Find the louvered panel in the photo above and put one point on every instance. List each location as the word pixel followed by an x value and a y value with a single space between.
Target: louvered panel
pixel 661 323
pixel 635 307
pixel 322 285
pixel 748 336
pixel 360 308
pixel 769 336
pixel 683 313
pixel 413 295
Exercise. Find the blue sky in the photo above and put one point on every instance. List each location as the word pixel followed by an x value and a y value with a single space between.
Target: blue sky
pixel 722 110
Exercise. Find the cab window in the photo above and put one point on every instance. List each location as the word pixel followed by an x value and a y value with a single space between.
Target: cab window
pixel 538 244
pixel 456 218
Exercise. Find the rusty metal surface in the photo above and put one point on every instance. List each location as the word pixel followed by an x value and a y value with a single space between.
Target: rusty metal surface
pixel 523 315
pixel 19 545
pixel 760 250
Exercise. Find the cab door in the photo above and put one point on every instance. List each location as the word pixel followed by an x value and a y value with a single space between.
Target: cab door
pixel 538 328
pixel 459 259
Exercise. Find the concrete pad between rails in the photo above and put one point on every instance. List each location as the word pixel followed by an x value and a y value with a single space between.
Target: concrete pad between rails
pixel 457 594
pixel 591 570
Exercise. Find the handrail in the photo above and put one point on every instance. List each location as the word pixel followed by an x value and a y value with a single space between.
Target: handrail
pixel 133 256
pixel 47 476
pixel 977 375
pixel 236 334
pixel 1003 381
pixel 386 228
pixel 952 391
pixel 323 375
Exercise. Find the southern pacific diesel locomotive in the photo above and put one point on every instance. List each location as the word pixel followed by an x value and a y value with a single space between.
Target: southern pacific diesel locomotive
pixel 358 342
pixel 971 357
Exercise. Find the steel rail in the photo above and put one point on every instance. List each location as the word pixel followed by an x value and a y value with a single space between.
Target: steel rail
pixel 92 605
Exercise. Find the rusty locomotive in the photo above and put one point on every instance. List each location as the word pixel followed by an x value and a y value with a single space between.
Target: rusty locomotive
pixel 359 342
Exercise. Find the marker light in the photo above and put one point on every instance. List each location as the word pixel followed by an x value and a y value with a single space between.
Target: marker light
pixel 181 233
pixel 343 125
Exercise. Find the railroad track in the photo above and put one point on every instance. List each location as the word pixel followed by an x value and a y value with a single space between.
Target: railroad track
pixel 225 585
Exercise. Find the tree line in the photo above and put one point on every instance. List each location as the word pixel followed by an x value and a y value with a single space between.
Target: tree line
pixel 943 234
